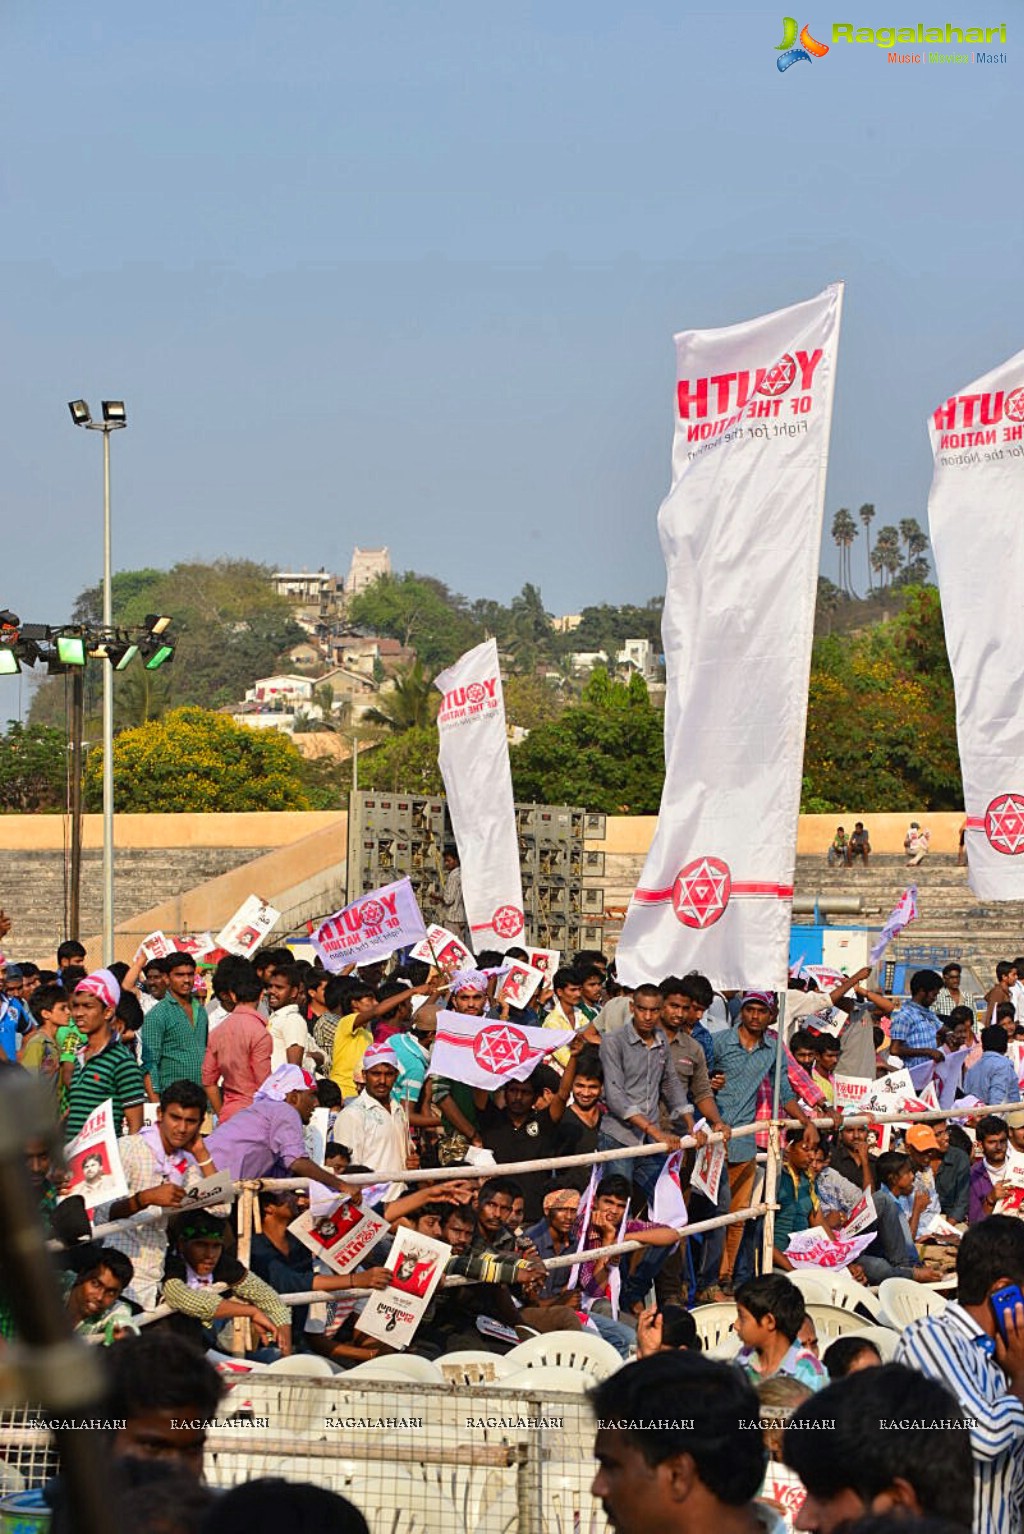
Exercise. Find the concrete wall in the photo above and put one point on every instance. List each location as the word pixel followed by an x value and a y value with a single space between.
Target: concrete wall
pixel 204 866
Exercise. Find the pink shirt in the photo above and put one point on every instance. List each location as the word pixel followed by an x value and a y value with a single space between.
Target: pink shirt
pixel 238 1057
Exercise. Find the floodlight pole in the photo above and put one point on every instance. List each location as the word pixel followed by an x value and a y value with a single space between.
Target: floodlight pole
pixel 75 768
pixel 108 720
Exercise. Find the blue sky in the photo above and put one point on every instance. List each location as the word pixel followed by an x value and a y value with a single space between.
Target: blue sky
pixel 409 273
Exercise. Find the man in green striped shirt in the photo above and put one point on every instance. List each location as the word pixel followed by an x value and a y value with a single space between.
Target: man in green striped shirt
pixel 174 1032
pixel 103 1067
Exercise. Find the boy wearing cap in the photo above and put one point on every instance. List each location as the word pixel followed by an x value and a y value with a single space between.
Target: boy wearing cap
pixel 921 1204
pixel 103 1067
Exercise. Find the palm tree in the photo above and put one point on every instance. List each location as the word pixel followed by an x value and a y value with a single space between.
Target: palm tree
pixel 828 599
pixel 887 547
pixel 844 531
pixel 410 704
pixel 867 516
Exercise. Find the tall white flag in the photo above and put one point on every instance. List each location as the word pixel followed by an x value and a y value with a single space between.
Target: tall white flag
pixel 477 776
pixel 977 528
pixel 741 533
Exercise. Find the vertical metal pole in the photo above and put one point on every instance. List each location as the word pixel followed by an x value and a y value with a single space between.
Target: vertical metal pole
pixel 108 723
pixel 75 765
pixel 771 1178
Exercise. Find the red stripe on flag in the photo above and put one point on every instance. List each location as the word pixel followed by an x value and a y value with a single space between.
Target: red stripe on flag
pixel 975 822
pixel 778 891
pixel 652 897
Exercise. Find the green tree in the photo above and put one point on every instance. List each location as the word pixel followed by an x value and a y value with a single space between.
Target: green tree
pixel 411 704
pixel 405 763
pixel 33 769
pixel 607 752
pixel 881 730
pixel 230 627
pixel 844 531
pixel 195 760
pixel 530 701
pixel 867 516
pixel 420 612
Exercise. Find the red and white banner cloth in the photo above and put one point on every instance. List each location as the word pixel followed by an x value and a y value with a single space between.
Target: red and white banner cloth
pixel 485 1052
pixel 741 533
pixel 977 532
pixel 474 763
pixel 901 915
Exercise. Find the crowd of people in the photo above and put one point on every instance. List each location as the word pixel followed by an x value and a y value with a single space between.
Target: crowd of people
pixel 284 1071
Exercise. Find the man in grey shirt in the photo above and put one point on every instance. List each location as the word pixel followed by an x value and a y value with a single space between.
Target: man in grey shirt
pixel 639 1074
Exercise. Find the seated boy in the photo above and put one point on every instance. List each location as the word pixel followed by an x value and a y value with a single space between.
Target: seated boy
pixel 769 1313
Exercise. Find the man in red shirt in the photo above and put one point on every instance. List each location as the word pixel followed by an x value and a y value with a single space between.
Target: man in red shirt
pixel 237 1060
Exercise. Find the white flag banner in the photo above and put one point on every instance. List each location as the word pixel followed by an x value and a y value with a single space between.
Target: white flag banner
pixel 741 534
pixel 372 927
pixel 974 509
pixel 668 1207
pixel 486 1053
pixel 474 763
pixel 901 915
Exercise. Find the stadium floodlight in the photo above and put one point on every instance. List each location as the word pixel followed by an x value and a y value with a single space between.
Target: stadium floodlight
pixel 71 649
pixel 114 412
pixel 80 412
pixel 160 657
pixel 9 662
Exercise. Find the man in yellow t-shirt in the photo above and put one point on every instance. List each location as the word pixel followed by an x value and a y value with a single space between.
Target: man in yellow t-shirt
pixel 351 1040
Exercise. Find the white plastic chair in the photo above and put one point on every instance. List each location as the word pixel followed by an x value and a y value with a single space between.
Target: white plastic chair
pixel 714 1322
pixel 884 1339
pixel 903 1301
pixel 482 1499
pixel 726 1349
pixel 468 1366
pixel 812 1285
pixel 301 1363
pixel 571 1350
pixel 390 1507
pixel 568 1505
pixel 398 1366
pixel 832 1321
pixel 548 1377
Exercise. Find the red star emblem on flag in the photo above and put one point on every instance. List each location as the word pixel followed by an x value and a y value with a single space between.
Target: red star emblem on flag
pixel 500 1047
pixel 1004 824
pixel 701 892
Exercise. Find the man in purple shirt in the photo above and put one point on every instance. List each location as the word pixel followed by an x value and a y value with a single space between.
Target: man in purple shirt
pixel 265 1139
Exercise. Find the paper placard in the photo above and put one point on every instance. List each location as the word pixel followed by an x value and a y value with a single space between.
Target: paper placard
pixel 417 1265
pixel 246 930
pixel 156 946
pixel 809 1249
pixel 519 984
pixel 862 1216
pixel 93 1161
pixel 708 1168
pixel 218 1189
pixel 444 949
pixel 196 943
pixel 341 1238
pixel 546 960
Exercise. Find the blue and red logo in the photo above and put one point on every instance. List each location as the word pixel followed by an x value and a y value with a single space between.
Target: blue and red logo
pixel 789 53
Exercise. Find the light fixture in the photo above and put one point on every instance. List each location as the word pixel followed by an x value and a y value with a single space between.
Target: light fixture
pixel 160 657
pixel 9 663
pixel 71 649
pixel 121 663
pixel 9 620
pixel 114 412
pixel 155 624
pixel 80 412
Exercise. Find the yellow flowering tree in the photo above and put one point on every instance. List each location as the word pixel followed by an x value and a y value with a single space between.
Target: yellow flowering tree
pixel 193 759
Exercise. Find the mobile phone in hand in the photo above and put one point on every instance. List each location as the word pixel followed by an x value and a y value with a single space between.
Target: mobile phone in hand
pixel 1003 1301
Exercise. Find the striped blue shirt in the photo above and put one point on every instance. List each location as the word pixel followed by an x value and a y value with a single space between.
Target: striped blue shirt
pixel 914 1025
pixel 953 1349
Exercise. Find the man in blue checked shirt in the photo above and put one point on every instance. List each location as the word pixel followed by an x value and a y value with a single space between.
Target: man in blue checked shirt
pixel 963 1347
pixel 914 1027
